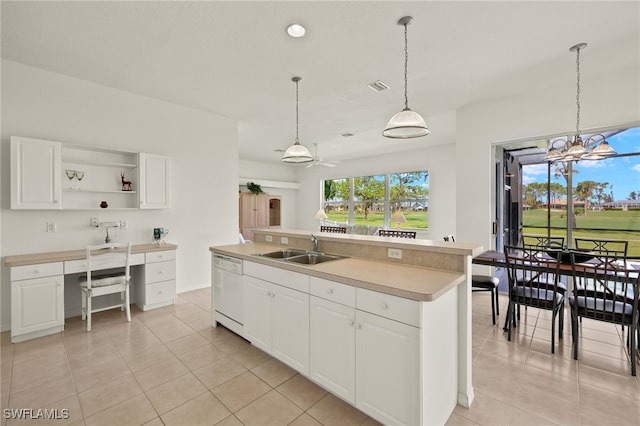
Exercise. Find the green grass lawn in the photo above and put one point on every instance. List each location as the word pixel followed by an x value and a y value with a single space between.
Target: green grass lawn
pixel 610 220
pixel 415 220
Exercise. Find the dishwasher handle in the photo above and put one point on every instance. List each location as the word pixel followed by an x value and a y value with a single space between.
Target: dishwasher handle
pixel 229 264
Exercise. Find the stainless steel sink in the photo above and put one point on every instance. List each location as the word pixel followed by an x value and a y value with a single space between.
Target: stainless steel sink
pixel 282 254
pixel 313 258
pixel 302 257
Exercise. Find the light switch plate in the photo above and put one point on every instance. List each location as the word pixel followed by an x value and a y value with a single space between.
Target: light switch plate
pixel 394 253
pixel 269 238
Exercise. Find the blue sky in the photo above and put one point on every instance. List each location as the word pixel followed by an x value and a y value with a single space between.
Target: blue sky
pixel 623 173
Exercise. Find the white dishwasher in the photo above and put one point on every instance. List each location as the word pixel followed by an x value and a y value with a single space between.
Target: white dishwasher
pixel 227 295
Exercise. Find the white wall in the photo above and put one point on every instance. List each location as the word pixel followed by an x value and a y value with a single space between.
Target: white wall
pixel 202 147
pixel 438 160
pixel 606 101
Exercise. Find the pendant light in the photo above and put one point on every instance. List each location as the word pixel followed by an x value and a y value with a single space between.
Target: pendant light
pixel 297 153
pixel 407 123
pixel 595 147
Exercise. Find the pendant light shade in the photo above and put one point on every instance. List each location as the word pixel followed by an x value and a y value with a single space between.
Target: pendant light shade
pixel 594 147
pixel 297 153
pixel 407 123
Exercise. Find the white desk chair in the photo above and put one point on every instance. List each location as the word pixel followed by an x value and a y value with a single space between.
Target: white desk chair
pixel 101 279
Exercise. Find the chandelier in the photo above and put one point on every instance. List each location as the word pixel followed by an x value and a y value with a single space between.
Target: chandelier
pixel 594 147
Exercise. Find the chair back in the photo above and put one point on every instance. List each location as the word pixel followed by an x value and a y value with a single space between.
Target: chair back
pixel 611 248
pixel 605 289
pixel 396 233
pixel 533 276
pixel 333 229
pixel 108 256
pixel 543 241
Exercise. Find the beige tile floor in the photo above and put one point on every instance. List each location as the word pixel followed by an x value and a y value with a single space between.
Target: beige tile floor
pixel 169 367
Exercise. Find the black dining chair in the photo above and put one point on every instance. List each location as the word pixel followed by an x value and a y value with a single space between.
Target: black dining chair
pixel 606 288
pixel 333 229
pixel 533 282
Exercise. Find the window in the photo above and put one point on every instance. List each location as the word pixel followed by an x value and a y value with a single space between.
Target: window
pixel 368 202
pixel 605 201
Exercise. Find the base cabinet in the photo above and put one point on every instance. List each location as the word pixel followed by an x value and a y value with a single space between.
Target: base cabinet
pixel 387 369
pixel 333 347
pixel 277 321
pixel 156 285
pixel 37 304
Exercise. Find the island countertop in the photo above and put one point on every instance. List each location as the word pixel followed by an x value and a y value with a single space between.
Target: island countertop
pixel 411 282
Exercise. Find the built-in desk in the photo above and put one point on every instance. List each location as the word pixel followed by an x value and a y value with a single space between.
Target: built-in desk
pixel 37 285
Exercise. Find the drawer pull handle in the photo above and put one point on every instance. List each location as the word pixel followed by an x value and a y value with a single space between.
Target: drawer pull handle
pixel 330 291
pixel 383 305
pixel 36 271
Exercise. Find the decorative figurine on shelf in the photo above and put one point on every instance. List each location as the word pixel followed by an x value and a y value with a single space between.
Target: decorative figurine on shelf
pixel 126 184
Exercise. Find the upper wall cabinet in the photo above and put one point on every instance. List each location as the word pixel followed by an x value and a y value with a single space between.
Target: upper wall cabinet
pixel 155 179
pixel 35 174
pixel 53 175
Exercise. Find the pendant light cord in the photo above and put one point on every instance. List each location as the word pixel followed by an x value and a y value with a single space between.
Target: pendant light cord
pixel 297 140
pixel 578 92
pixel 406 60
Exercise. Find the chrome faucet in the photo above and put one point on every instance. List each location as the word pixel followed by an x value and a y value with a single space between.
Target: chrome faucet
pixel 314 241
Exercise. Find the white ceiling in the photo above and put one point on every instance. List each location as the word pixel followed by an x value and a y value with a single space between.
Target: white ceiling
pixel 235 59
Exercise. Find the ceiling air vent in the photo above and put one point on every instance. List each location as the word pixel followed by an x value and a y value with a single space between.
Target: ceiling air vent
pixel 378 86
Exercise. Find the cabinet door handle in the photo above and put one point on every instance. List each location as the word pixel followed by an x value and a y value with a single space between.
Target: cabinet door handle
pixel 383 305
pixel 358 326
pixel 350 322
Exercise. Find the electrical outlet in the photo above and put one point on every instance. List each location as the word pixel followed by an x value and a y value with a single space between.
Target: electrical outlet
pixel 269 238
pixel 51 227
pixel 284 240
pixel 94 221
pixel 394 253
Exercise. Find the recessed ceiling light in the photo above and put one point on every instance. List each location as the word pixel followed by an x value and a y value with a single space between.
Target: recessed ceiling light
pixel 296 30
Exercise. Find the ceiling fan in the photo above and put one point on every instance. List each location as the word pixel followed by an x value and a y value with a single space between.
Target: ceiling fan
pixel 318 161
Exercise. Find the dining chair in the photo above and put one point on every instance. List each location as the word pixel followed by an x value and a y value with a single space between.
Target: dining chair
pixel 533 278
pixel 615 248
pixel 396 233
pixel 108 272
pixel 544 241
pixel 333 229
pixel 606 289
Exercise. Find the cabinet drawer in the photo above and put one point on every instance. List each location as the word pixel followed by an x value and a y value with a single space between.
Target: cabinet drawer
pixel 160 271
pixel 160 292
pixel 388 306
pixel 76 266
pixel 160 256
pixel 293 280
pixel 331 290
pixel 36 271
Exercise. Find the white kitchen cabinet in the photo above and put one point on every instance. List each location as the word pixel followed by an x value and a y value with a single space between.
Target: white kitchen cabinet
pixel 155 181
pixel 37 300
pixel 35 174
pixel 54 175
pixel 277 321
pixel 277 313
pixel 155 286
pixel 332 347
pixel 387 369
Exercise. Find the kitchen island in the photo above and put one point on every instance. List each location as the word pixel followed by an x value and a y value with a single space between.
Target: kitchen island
pixel 390 335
